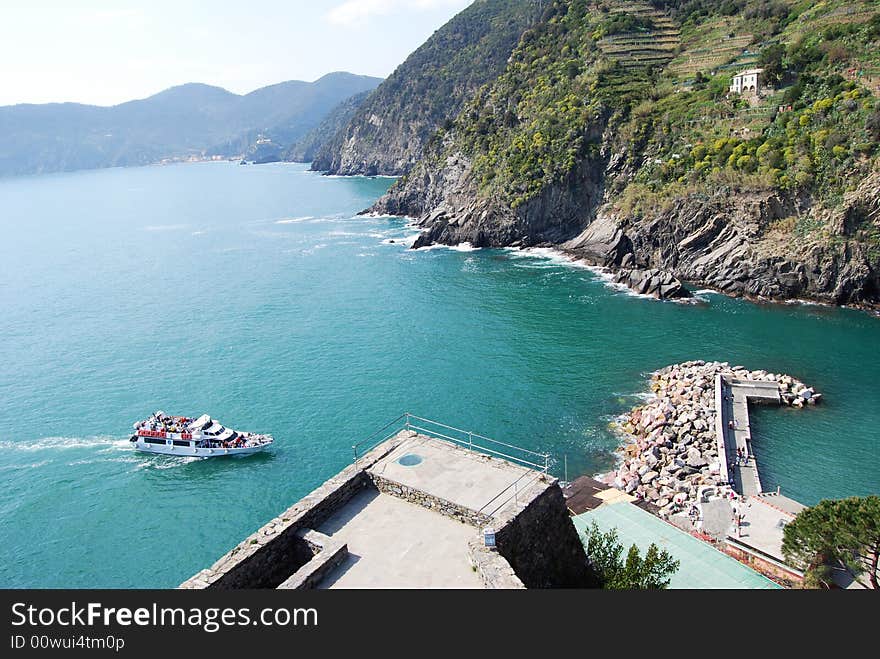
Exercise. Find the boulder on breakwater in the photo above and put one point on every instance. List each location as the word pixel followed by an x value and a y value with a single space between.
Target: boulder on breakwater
pixel 671 456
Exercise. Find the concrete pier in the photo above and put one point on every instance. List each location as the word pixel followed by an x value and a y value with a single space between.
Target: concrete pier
pixel 735 435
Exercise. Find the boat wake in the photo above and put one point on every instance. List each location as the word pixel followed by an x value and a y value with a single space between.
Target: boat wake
pixel 64 444
pixel 22 467
pixel 162 462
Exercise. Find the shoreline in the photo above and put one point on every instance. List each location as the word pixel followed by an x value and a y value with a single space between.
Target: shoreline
pixel 607 274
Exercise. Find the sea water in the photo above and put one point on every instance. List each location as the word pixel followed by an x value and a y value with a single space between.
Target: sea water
pixel 256 294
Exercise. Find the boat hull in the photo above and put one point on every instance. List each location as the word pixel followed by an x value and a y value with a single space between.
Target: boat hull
pixel 190 452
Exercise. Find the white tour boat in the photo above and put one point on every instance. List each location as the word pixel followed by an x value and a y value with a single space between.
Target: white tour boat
pixel 189 437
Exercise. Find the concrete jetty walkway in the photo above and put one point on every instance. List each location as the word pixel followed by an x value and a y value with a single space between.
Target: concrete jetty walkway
pixel 734 429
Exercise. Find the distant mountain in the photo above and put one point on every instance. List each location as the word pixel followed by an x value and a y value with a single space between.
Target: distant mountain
pixel 389 131
pixel 306 148
pixel 189 120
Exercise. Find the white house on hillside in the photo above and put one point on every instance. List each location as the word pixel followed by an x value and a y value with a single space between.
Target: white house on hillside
pixel 747 82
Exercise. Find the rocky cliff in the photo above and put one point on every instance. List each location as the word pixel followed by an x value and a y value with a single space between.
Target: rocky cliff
pixel 308 147
pixel 739 243
pixel 388 132
pixel 577 145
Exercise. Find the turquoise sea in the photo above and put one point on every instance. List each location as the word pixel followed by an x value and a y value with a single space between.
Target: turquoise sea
pixel 256 295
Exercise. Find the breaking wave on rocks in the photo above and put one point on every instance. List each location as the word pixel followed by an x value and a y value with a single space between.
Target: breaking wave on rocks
pixel 605 275
pixel 296 220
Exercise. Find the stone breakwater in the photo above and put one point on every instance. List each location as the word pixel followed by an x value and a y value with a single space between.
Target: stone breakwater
pixel 671 456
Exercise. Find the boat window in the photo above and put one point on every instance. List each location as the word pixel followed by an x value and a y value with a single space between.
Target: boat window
pixel 180 443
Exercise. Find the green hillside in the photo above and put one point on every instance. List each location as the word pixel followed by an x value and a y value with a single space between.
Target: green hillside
pixel 615 132
pixel 389 130
pixel 589 67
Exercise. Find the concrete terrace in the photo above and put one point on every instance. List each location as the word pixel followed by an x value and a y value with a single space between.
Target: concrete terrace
pixel 410 512
pixel 396 544
pixel 455 474
pixel 758 541
pixel 393 543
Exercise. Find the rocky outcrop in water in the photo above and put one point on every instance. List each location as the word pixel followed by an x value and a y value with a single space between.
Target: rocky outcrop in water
pixel 450 209
pixel 670 457
pixel 657 283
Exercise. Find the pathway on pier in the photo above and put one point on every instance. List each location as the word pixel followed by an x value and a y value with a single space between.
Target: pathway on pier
pixel 735 429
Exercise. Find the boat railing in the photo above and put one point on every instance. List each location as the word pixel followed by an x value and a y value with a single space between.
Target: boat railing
pixel 470 440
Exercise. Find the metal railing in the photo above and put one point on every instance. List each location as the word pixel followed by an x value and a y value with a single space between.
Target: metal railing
pixel 512 491
pixel 464 438
pixel 371 442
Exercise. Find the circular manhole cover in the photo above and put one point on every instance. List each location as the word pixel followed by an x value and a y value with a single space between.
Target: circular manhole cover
pixel 410 460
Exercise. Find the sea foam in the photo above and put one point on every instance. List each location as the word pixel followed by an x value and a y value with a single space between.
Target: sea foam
pixel 296 220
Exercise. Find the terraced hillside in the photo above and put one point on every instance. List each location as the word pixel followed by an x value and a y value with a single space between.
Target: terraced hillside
pixel 647 37
pixel 714 46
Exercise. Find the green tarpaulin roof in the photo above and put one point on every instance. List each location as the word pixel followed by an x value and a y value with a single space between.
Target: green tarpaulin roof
pixel 701 565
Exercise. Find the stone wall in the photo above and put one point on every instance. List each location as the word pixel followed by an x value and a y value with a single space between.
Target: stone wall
pixel 493 569
pixel 327 555
pixel 770 568
pixel 542 546
pixel 431 502
pixel 274 553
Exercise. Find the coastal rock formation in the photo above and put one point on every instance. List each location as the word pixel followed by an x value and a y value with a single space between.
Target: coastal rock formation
pixel 732 243
pixel 307 147
pixel 658 283
pixel 671 456
pixel 729 241
pixel 585 145
pixel 451 211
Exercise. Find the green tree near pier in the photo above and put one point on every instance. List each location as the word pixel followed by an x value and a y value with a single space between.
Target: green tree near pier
pixel 605 553
pixel 836 532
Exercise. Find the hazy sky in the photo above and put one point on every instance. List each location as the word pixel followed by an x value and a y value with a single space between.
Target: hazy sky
pixel 109 51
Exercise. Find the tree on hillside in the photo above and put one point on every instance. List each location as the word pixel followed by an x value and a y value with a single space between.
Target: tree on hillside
pixel 772 61
pixel 872 124
pixel 605 554
pixel 844 532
